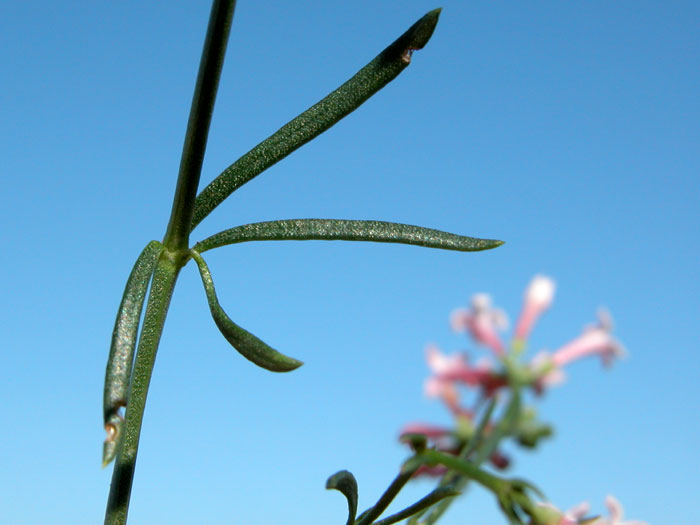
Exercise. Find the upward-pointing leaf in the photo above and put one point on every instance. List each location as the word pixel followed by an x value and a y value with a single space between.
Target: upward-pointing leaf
pixel 317 119
pixel 246 343
pixel 345 230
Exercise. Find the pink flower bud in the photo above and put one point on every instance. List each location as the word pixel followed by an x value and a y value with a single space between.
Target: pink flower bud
pixel 616 514
pixel 482 321
pixel 538 297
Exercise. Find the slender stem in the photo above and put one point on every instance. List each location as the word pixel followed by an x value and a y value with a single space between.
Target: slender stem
pixel 177 235
pixel 466 468
pixel 162 287
pixel 425 503
pixel 483 452
pixel 386 498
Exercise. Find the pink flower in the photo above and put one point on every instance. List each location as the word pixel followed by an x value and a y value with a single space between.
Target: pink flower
pixel 455 369
pixel 538 297
pixel 616 514
pixel 482 321
pixel 446 440
pixel 550 515
pixel 595 340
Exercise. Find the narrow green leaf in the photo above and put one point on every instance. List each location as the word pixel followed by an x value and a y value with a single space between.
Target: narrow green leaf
pixel 345 482
pixel 121 352
pixel 317 119
pixel 345 230
pixel 421 505
pixel 246 343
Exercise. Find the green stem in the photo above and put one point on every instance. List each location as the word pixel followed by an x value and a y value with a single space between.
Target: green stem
pixel 162 287
pixel 483 452
pixel 177 234
pixel 385 500
pixel 428 501
pixel 466 468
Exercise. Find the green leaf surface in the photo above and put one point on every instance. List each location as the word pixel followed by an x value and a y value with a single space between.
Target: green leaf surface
pixel 121 352
pixel 345 230
pixel 248 345
pixel 317 119
pixel 343 481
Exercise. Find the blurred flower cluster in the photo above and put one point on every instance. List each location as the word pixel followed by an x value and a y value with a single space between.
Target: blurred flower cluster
pixel 481 426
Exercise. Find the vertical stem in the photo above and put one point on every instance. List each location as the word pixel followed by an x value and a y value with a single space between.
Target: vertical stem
pixel 177 234
pixel 162 287
pixel 483 452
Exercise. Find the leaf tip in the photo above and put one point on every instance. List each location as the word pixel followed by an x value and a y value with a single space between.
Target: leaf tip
pixel 289 364
pixel 422 30
pixel 417 35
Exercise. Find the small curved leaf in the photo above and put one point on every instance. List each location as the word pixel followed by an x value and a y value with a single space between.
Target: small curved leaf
pixel 345 230
pixel 248 345
pixel 121 352
pixel 345 482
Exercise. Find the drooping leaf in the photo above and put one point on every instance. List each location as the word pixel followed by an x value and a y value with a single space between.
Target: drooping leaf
pixel 345 482
pixel 248 345
pixel 345 230
pixel 121 352
pixel 317 119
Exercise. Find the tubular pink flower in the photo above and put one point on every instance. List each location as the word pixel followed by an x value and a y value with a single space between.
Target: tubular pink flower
pixel 448 370
pixel 482 321
pixel 538 297
pixel 429 431
pixel 437 386
pixel 480 376
pixel 445 440
pixel 616 514
pixel 595 340
pixel 554 516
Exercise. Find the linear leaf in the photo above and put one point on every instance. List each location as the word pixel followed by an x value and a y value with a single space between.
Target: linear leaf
pixel 317 119
pixel 343 481
pixel 248 345
pixel 121 352
pixel 345 230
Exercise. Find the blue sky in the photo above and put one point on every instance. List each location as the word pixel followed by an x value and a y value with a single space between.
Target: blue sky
pixel 567 129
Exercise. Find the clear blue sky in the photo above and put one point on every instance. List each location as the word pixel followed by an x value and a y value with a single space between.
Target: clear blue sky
pixel 568 129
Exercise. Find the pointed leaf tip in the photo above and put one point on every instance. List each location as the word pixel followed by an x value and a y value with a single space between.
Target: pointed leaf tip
pixel 344 482
pixel 424 28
